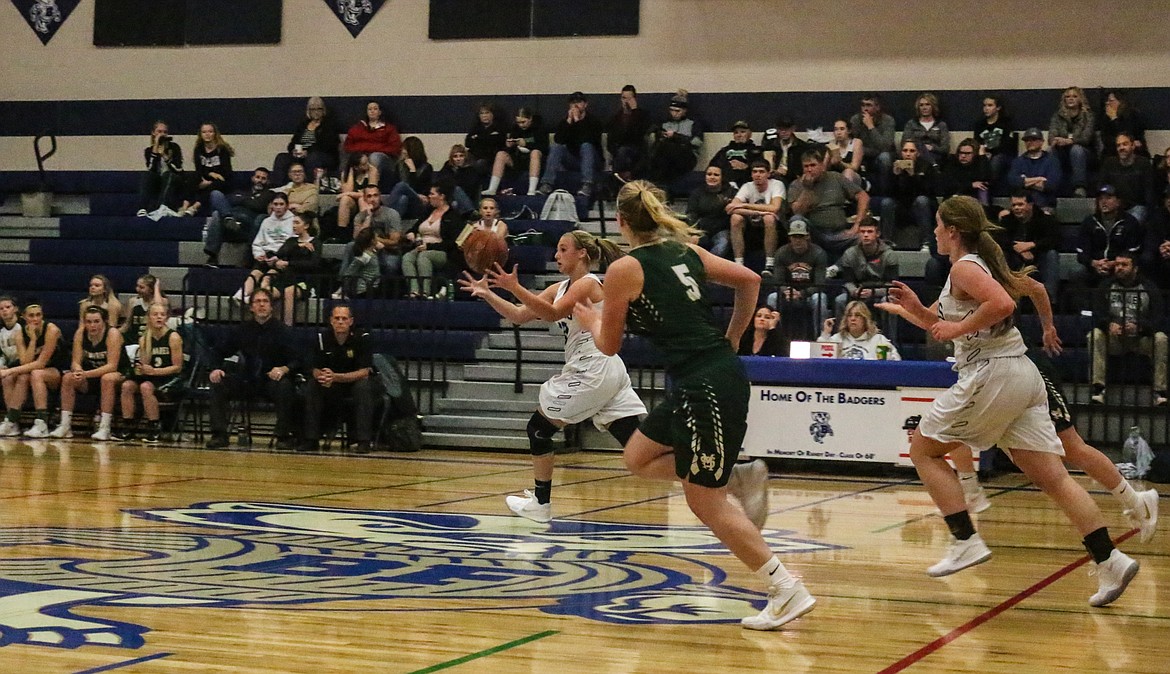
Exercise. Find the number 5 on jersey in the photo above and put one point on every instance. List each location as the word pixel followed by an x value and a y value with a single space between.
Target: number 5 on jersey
pixel 684 275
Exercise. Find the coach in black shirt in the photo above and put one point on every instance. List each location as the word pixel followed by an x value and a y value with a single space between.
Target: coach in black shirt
pixel 341 367
pixel 256 359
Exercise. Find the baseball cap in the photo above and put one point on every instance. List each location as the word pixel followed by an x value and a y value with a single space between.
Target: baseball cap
pixel 1033 134
pixel 1108 190
pixel 740 125
pixel 798 226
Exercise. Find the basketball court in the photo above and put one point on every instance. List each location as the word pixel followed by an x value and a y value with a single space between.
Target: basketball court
pixel 160 559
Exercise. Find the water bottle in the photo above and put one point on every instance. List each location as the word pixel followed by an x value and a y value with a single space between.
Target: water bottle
pixel 1137 451
pixel 450 290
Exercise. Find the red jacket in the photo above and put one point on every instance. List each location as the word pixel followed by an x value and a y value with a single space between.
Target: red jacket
pixel 363 139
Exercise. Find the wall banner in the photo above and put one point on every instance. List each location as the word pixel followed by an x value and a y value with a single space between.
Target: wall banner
pixel 45 16
pixel 355 14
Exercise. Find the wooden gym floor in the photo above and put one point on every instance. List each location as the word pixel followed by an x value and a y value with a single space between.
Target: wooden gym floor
pixel 161 559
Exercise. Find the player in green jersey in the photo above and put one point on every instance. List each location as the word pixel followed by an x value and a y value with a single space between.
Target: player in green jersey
pixel 695 435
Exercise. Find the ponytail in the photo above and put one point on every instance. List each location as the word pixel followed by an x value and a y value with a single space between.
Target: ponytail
pixel 596 248
pixel 642 206
pixel 975 230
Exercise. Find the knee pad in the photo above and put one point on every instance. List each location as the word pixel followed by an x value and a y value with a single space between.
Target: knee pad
pixel 540 434
pixel 623 428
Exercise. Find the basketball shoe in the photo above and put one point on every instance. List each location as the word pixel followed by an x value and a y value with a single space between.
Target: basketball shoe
pixel 961 555
pixel 1145 516
pixel 749 484
pixel 784 606
pixel 527 506
pixel 1113 576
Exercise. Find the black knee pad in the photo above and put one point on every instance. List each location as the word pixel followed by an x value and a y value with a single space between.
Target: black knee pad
pixel 540 434
pixel 623 428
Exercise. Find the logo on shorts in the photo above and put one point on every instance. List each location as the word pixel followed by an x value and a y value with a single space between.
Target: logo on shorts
pixel 820 427
pixel 263 555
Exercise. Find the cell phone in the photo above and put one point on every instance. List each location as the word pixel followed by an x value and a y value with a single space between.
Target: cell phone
pixel 905 164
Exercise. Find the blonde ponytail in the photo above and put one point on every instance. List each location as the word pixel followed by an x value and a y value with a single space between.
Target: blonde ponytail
pixel 975 230
pixel 642 206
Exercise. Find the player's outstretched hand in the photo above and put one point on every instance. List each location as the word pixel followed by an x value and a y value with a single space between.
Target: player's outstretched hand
pixel 498 278
pixel 478 287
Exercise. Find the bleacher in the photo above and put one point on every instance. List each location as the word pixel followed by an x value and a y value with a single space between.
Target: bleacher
pixel 94 232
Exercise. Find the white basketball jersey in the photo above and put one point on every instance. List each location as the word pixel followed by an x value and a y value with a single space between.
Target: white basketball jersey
pixel 8 344
pixel 998 341
pixel 578 342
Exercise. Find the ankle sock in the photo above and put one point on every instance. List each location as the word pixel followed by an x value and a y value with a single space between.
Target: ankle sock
pixel 960 525
pixel 773 573
pixel 1099 545
pixel 1126 494
pixel 543 492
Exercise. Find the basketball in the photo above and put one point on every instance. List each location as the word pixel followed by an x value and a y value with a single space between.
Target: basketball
pixel 482 249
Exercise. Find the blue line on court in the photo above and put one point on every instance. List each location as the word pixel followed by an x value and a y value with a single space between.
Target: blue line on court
pixel 126 663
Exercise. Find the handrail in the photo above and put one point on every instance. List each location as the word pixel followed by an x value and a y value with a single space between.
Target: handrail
pixel 44 182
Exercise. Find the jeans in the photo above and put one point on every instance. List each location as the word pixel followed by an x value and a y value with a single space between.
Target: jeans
pixel 312 161
pixel 719 243
pixel 812 304
pixel 921 214
pixel 1076 159
pixel 560 157
pixel 406 201
pixel 1048 263
pixel 217 234
pixel 627 157
pixel 879 169
pixel 390 263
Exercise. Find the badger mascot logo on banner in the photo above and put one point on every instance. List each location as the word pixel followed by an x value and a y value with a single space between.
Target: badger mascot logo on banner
pixel 355 15
pixel 45 17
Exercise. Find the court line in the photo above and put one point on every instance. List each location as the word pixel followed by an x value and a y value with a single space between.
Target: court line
pixel 486 652
pixel 116 486
pixel 993 612
pixel 524 467
pixel 127 663
pixel 512 491
pixel 1001 492
pixel 770 512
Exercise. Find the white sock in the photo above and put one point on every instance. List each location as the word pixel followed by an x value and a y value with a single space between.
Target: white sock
pixel 774 574
pixel 66 418
pixel 739 260
pixel 1126 494
pixel 970 482
pixel 493 184
pixel 770 264
pixel 107 420
pixel 532 184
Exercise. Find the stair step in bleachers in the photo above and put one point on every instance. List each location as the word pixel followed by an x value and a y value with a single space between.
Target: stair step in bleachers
pixel 63 204
pixel 130 229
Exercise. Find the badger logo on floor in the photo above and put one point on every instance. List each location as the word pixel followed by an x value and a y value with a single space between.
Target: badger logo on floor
pixel 285 555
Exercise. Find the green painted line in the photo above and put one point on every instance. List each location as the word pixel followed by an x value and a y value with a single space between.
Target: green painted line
pixel 484 653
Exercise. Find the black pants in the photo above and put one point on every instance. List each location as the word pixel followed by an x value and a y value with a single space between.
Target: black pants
pixel 333 403
pixel 159 190
pixel 281 393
